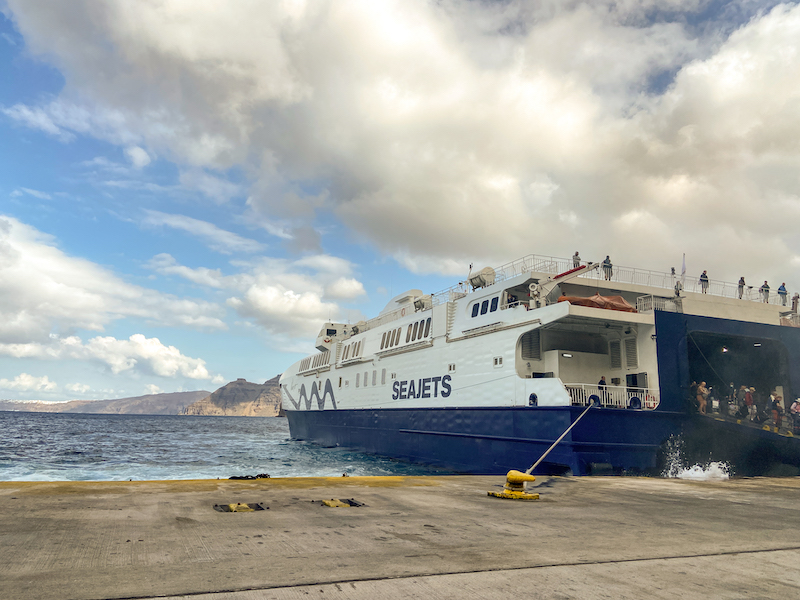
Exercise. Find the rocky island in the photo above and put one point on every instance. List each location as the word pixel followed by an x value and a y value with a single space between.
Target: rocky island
pixel 241 398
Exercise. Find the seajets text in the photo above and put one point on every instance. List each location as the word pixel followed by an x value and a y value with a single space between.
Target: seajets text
pixel 430 387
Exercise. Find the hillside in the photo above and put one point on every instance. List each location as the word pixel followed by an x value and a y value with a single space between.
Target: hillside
pixel 241 398
pixel 151 404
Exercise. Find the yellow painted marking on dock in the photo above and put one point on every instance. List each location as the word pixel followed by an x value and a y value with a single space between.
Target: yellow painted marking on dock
pixel 49 488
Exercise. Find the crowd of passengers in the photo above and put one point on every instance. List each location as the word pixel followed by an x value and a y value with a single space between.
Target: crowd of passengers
pixel 747 404
pixel 763 291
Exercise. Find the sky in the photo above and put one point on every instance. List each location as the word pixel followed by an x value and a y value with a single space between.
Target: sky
pixel 190 188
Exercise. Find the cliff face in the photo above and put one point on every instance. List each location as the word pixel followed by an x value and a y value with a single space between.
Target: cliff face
pixel 241 398
pixel 152 404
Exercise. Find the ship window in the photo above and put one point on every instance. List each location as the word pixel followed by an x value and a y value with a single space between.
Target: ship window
pixel 357 351
pixel 366 378
pixel 358 378
pixel 383 377
pixel 331 332
pixel 451 367
pixel 416 330
pixel 383 340
pixel 484 307
pixel 346 383
pixel 498 361
pixel 394 337
pixel 408 333
pixel 374 378
pixel 346 352
pixel 340 382
pixel 427 327
pixel 494 304
pixel 475 308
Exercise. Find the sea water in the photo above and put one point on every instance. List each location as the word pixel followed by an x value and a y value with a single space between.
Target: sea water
pixel 75 447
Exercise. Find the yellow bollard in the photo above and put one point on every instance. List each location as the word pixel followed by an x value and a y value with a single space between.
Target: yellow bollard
pixel 514 489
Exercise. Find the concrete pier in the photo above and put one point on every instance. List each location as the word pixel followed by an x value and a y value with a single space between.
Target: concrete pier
pixel 435 537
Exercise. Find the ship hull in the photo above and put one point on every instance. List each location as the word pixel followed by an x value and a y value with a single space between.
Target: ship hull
pixel 494 440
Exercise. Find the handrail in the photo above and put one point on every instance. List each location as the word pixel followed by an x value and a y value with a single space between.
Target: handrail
pixel 612 396
pixel 552 265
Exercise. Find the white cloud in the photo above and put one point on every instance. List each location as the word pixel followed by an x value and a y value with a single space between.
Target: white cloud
pixel 152 388
pixel 287 297
pixel 447 132
pixel 138 157
pixel 138 353
pixel 345 288
pixel 37 118
pixel 78 388
pixel 42 289
pixel 281 310
pixel 216 189
pixel 35 193
pixel 218 239
pixel 167 265
pixel 28 383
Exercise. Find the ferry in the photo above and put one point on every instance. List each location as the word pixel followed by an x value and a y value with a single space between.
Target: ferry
pixel 485 376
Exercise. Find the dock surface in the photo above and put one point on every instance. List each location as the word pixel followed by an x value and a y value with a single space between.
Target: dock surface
pixel 434 537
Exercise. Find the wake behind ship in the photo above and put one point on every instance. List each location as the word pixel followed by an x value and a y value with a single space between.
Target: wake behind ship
pixel 484 376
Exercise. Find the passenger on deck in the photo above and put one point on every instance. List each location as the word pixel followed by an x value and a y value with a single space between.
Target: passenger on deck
pixel 678 288
pixel 576 260
pixel 795 302
pixel 782 293
pixel 704 282
pixel 607 268
pixel 601 386
pixel 702 397
pixel 764 291
pixel 750 403
pixel 794 412
pixel 741 407
pixel 741 286
pixel 777 411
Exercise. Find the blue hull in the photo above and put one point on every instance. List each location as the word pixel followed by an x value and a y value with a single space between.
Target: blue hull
pixel 495 440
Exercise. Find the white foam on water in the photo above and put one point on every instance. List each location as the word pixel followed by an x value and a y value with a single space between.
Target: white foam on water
pixel 677 468
pixel 715 471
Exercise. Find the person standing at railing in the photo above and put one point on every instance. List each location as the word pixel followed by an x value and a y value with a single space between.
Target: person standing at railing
pixel 576 260
pixel 607 268
pixel 782 293
pixel 741 286
pixel 702 397
pixel 601 386
pixel 764 291
pixel 704 282
pixel 795 302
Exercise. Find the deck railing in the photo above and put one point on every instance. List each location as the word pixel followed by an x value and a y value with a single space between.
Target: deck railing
pixel 612 396
pixel 553 265
pixel 646 304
